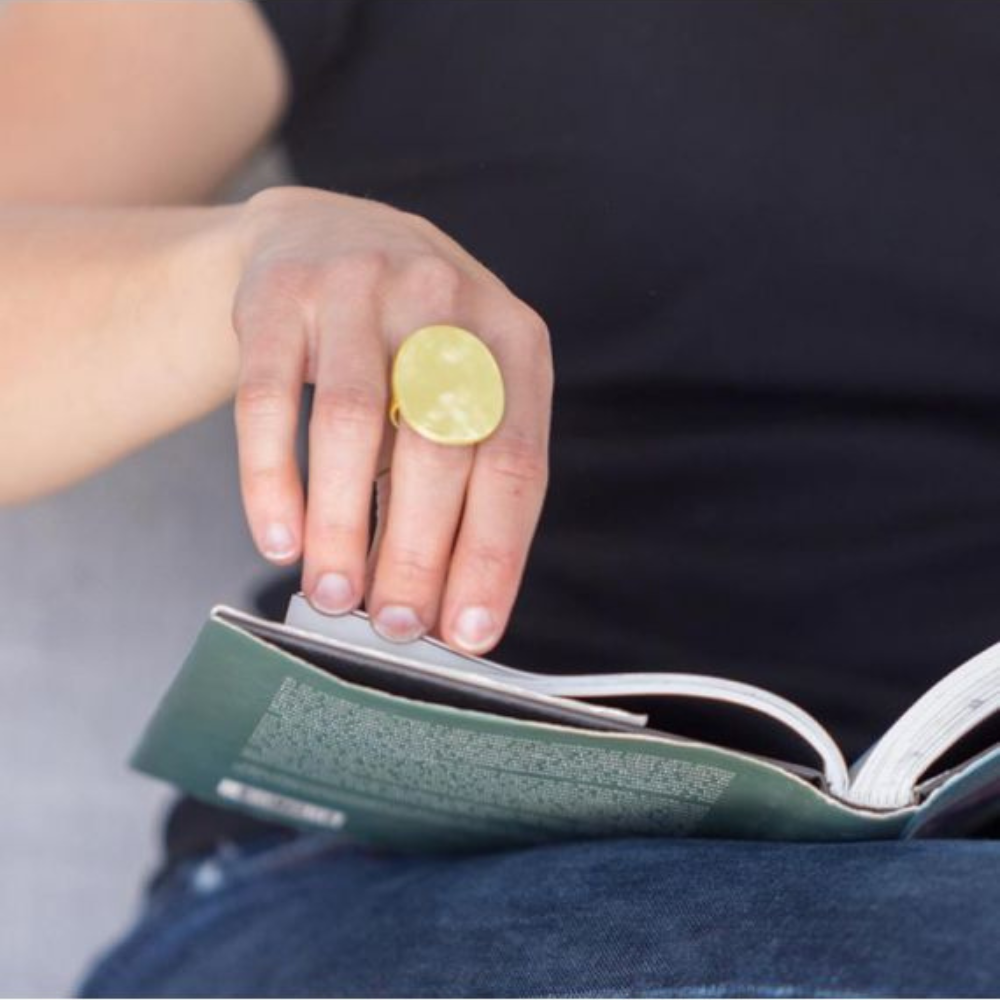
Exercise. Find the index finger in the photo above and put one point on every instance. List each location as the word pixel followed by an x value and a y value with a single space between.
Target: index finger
pixel 267 413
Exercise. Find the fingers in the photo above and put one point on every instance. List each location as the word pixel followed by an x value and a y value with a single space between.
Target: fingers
pixel 267 409
pixel 428 480
pixel 504 496
pixel 456 526
pixel 345 434
pixel 461 519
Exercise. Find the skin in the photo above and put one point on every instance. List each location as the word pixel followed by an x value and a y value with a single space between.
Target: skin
pixel 129 308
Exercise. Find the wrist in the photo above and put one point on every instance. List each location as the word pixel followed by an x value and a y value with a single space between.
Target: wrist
pixel 269 210
pixel 198 274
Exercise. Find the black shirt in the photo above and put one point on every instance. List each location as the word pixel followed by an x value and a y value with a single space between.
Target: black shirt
pixel 766 239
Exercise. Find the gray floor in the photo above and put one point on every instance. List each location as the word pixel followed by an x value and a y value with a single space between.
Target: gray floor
pixel 101 591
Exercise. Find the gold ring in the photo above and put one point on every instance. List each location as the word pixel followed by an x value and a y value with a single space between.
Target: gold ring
pixel 447 386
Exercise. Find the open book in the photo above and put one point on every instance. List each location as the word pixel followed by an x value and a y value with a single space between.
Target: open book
pixel 321 723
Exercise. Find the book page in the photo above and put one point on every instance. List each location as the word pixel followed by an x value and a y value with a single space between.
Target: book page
pixel 888 774
pixel 356 631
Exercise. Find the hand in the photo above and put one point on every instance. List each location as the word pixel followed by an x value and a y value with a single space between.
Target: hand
pixel 330 286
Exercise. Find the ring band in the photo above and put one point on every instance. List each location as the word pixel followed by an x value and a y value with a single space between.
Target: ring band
pixel 447 386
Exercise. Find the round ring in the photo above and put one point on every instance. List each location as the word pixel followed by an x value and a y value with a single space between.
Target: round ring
pixel 447 386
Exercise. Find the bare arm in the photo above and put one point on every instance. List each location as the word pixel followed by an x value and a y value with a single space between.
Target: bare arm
pixel 115 323
pixel 118 324
pixel 132 103
pixel 114 329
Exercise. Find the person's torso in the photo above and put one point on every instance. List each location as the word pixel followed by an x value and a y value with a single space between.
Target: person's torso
pixel 766 240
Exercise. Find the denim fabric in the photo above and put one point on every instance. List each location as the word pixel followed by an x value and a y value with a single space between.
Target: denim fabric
pixel 653 918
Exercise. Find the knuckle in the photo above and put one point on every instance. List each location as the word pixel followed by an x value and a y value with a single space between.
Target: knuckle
pixel 518 461
pixel 358 405
pixel 356 272
pixel 267 482
pixel 419 223
pixel 287 279
pixel 523 321
pixel 271 290
pixel 260 481
pixel 433 282
pixel 494 562
pixel 530 334
pixel 536 334
pixel 260 399
pixel 532 323
pixel 410 566
pixel 265 352
pixel 333 531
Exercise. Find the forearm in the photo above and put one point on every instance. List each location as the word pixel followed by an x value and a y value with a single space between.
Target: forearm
pixel 115 328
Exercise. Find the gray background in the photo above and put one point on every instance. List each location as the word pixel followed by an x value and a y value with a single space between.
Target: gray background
pixel 102 589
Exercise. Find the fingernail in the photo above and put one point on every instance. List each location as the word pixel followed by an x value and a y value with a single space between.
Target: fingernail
pixel 475 628
pixel 398 623
pixel 333 594
pixel 279 542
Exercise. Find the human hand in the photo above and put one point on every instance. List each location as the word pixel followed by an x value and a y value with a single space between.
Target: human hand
pixel 330 286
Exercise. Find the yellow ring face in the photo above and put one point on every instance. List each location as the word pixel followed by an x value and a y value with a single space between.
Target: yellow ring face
pixel 447 386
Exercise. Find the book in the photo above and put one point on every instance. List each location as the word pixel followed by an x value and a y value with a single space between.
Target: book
pixel 320 723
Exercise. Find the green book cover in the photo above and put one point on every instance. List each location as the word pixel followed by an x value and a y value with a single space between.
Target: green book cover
pixel 250 726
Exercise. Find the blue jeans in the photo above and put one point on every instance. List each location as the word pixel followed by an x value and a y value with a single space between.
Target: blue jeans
pixel 655 918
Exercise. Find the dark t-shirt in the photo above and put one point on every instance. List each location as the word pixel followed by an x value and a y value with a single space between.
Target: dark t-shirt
pixel 766 238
